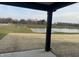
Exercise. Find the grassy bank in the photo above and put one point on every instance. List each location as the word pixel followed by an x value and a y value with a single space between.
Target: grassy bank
pixel 63 33
pixel 13 28
pixel 37 26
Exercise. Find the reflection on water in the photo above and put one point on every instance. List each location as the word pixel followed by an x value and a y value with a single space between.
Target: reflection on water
pixel 65 30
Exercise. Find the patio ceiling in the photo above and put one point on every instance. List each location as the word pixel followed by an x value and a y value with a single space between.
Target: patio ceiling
pixel 45 6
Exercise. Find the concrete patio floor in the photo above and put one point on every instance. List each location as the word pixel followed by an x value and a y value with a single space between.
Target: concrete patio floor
pixel 31 53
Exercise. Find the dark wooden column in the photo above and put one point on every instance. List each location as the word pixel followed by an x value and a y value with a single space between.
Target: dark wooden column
pixel 48 31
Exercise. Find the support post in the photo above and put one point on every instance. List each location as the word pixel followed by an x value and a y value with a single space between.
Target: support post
pixel 48 31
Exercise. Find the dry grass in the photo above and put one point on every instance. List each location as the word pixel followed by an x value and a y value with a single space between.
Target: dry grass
pixel 65 45
pixel 66 37
pixel 62 44
pixel 21 42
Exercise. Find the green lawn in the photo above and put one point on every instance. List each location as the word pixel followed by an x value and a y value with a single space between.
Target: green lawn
pixel 13 28
pixel 17 28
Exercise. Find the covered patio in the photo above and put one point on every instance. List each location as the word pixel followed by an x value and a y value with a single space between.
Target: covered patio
pixel 49 7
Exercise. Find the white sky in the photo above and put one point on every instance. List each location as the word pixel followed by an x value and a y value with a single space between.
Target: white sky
pixel 69 14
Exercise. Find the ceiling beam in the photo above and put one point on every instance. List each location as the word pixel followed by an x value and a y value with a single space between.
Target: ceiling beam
pixel 31 5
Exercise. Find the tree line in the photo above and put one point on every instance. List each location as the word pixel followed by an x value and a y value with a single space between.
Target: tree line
pixel 66 25
pixel 22 21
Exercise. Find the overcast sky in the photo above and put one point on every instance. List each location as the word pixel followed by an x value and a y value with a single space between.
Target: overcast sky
pixel 67 14
pixel 21 13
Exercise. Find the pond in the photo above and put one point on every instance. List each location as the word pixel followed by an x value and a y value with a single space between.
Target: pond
pixel 65 30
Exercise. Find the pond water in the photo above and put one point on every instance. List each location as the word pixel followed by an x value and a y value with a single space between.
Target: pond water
pixel 65 30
